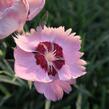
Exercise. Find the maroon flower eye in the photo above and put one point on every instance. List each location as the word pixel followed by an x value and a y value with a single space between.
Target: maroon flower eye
pixel 50 57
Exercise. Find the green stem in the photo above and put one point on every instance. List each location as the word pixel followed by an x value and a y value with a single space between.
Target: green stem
pixel 47 104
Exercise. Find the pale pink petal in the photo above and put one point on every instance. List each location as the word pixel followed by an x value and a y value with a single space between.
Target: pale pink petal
pixel 47 90
pixel 50 90
pixel 65 73
pixel 26 67
pixel 71 42
pixel 7 26
pixel 59 36
pixel 76 65
pixel 53 90
pixel 66 85
pixel 23 42
pixel 77 70
pixel 13 15
pixel 35 7
pixel 29 43
pixel 5 4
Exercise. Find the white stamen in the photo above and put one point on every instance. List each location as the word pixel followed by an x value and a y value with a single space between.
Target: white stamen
pixel 52 47
pixel 59 59
pixel 44 46
pixel 39 53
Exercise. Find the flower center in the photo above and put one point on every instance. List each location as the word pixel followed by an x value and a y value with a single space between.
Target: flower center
pixel 49 56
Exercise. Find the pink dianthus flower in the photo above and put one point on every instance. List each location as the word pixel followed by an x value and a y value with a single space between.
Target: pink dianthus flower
pixel 51 58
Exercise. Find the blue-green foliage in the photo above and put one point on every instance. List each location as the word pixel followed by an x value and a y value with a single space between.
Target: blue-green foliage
pixel 90 19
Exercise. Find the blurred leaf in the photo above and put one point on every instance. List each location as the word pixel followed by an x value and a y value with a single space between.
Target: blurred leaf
pixel 83 90
pixel 9 80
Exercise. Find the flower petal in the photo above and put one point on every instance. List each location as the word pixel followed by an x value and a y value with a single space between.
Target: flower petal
pixel 23 43
pixel 30 41
pixel 13 18
pixel 26 67
pixel 53 90
pixel 66 85
pixel 5 4
pixel 77 70
pixel 65 73
pixel 7 26
pixel 35 7
pixel 64 39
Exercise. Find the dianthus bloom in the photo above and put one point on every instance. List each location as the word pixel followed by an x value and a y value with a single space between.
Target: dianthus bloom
pixel 14 14
pixel 35 6
pixel 51 58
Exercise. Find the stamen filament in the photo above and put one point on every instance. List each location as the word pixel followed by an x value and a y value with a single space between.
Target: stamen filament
pixel 60 59
pixel 44 46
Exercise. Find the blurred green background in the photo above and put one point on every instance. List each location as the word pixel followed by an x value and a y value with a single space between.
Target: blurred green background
pixel 88 18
